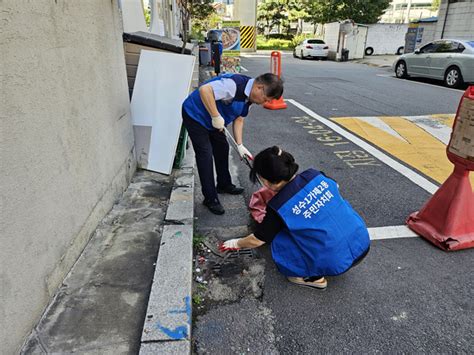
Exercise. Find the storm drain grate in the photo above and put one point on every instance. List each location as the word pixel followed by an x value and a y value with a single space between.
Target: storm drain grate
pixel 227 269
pixel 241 253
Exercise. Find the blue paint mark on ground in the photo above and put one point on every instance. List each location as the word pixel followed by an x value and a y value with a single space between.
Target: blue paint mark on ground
pixel 187 301
pixel 179 332
pixel 186 309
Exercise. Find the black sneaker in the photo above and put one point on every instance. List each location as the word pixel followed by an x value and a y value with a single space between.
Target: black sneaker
pixel 231 189
pixel 214 206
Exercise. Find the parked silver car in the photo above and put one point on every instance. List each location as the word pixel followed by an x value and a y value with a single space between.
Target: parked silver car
pixel 447 59
pixel 311 48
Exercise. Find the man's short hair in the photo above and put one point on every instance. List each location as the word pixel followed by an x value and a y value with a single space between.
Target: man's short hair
pixel 273 85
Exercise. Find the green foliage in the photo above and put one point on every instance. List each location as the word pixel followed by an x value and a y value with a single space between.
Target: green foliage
pixel 198 239
pixel 360 11
pixel 275 44
pixel 147 13
pixel 197 300
pixel 201 9
pixel 435 5
pixel 196 34
pixel 280 13
pixel 192 9
pixel 279 36
pixel 299 38
pixel 204 25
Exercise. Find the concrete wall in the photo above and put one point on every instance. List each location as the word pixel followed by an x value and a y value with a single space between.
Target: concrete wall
pixel 354 41
pixel 66 145
pixel 429 33
pixel 245 11
pixel 459 22
pixel 331 37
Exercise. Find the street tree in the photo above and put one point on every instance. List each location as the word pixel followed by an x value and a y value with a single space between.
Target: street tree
pixel 280 13
pixel 200 25
pixel 192 9
pixel 271 13
pixel 360 11
pixel 296 13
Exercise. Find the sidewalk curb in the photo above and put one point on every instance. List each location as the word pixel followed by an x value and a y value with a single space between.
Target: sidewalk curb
pixel 167 325
pixel 377 61
pixel 372 64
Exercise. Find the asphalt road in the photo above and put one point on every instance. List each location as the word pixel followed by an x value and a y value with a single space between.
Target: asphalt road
pixel 407 295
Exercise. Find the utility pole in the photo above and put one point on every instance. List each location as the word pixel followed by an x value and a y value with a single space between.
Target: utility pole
pixel 445 18
pixel 407 18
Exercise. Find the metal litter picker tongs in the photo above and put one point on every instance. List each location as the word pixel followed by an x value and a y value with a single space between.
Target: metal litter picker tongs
pixel 247 162
pixel 233 143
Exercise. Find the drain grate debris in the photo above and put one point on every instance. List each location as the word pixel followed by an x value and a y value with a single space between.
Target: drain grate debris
pixel 237 254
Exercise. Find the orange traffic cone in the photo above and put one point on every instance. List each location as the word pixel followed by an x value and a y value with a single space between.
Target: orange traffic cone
pixel 447 219
pixel 275 65
pixel 276 104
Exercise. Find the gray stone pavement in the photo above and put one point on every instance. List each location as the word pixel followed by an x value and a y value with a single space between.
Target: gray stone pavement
pixel 381 61
pixel 102 304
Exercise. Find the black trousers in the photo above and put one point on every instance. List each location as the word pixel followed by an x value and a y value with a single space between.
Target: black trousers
pixel 210 147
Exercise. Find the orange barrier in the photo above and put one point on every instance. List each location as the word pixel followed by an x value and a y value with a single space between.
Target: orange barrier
pixel 275 66
pixel 447 219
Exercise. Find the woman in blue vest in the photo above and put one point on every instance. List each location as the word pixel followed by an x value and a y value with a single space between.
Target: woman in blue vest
pixel 313 231
pixel 206 111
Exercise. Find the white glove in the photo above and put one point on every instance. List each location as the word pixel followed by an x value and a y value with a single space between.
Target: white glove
pixel 244 152
pixel 231 244
pixel 218 122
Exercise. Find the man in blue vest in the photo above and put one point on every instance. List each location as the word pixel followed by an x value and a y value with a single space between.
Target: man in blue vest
pixel 313 231
pixel 206 111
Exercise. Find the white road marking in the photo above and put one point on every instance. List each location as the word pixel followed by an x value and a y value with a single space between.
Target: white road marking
pixel 391 232
pixel 377 122
pixel 402 169
pixel 419 82
pixel 255 55
pixel 241 67
pixel 261 55
pixel 432 126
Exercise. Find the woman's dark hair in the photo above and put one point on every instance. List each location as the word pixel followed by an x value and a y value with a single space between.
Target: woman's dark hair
pixel 273 85
pixel 274 165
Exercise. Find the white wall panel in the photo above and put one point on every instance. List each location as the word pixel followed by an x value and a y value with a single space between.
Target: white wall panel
pixel 162 84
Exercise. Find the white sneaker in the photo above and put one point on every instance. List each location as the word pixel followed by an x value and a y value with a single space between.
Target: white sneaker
pixel 320 283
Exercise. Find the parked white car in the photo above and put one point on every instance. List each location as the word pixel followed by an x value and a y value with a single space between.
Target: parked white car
pixel 449 60
pixel 311 48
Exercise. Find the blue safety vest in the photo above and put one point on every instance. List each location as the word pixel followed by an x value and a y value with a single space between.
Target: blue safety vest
pixel 323 235
pixel 239 106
